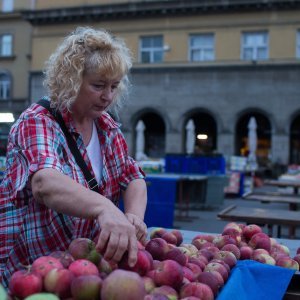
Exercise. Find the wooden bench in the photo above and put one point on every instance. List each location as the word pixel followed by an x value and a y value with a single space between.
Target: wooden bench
pixel 259 216
pixel 274 197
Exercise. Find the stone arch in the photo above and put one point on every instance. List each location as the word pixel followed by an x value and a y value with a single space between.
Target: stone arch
pixel 155 131
pixel 205 123
pixel 264 134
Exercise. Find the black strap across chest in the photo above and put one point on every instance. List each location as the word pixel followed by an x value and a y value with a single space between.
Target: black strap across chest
pixel 92 182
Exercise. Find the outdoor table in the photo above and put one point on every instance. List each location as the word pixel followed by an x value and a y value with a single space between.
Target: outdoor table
pixel 269 217
pixel 295 184
pixel 273 197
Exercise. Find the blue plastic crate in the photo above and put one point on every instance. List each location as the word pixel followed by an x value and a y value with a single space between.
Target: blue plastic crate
pixel 161 202
pixel 173 163
pixel 216 165
pixel 195 165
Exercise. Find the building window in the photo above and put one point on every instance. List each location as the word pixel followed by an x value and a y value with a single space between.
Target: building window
pixel 6 45
pixel 5 86
pixel 202 47
pixel 7 5
pixel 255 46
pixel 298 44
pixel 151 49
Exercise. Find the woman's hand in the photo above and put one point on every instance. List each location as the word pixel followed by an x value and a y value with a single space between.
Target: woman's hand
pixel 140 226
pixel 117 235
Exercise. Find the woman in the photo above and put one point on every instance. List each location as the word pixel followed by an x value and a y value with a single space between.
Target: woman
pixel 45 200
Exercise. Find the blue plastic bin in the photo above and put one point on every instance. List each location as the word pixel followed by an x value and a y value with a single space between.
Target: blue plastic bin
pixel 161 202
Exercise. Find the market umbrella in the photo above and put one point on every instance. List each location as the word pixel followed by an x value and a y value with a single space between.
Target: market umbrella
pixel 140 141
pixel 190 137
pixel 252 144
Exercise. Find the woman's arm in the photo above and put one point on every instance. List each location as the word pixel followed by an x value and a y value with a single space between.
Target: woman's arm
pixel 62 194
pixel 135 202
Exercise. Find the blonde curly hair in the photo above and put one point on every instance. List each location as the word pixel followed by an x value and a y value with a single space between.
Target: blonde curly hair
pixel 85 50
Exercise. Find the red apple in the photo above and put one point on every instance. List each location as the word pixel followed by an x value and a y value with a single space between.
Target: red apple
pixel 250 230
pixel 167 291
pixel 196 289
pixel 195 269
pixel 234 249
pixel 63 256
pixel 83 267
pixel 211 280
pixel 157 247
pixel 246 252
pixel 156 297
pixel 207 237
pixel 84 248
pixel 170 238
pixel 200 263
pixel 228 257
pixel 200 243
pixel 260 241
pixel 86 287
pixel 215 266
pixel 221 240
pixel 24 283
pixel 168 272
pixel 122 284
pixel 188 273
pixel 157 232
pixel 193 249
pixel 177 255
pixel 143 263
pixel 43 264
pixel 287 262
pixel 178 235
pixel 265 259
pixel 58 281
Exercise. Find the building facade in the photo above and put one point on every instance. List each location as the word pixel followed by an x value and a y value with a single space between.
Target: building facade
pixel 215 62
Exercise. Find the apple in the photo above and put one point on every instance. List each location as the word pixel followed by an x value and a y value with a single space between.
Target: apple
pixel 211 280
pixel 190 298
pixel 86 287
pixel 221 240
pixel 216 266
pixel 287 262
pixel 122 284
pixel 193 249
pixel 222 262
pixel 143 264
pixel 185 251
pixel 168 272
pixel 178 235
pixel 195 269
pixel 157 247
pixel 177 255
pixel 149 283
pixel 201 243
pixel 157 232
pixel 58 281
pixel 43 264
pixel 198 261
pixel 166 290
pixel 260 241
pixel 219 278
pixel 24 283
pixel 84 248
pixel 249 230
pixel 106 266
pixel 188 273
pixel 207 237
pixel 228 257
pixel 170 238
pixel 63 256
pixel 156 297
pixel 42 296
pixel 265 259
pixel 83 267
pixel 196 289
pixel 234 249
pixel 245 252
pixel 232 231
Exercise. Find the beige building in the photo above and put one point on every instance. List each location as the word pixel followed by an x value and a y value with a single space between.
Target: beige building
pixel 215 62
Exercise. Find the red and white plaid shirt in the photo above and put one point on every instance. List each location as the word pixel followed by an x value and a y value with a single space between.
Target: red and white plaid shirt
pixel 29 229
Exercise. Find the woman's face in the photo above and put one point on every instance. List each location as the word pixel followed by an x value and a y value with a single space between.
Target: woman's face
pixel 95 95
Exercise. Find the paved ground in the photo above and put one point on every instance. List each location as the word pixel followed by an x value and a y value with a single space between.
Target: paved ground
pixel 205 220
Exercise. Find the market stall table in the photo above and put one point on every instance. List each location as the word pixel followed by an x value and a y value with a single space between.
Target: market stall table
pixel 295 184
pixel 269 217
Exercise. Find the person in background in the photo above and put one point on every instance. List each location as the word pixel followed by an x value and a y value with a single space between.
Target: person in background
pixel 45 201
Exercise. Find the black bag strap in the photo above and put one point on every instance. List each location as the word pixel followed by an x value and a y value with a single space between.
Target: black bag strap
pixel 92 182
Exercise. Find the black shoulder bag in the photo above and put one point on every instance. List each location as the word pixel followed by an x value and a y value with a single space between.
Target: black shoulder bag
pixel 92 182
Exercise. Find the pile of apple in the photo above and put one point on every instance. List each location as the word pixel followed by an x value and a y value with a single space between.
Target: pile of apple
pixel 166 268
